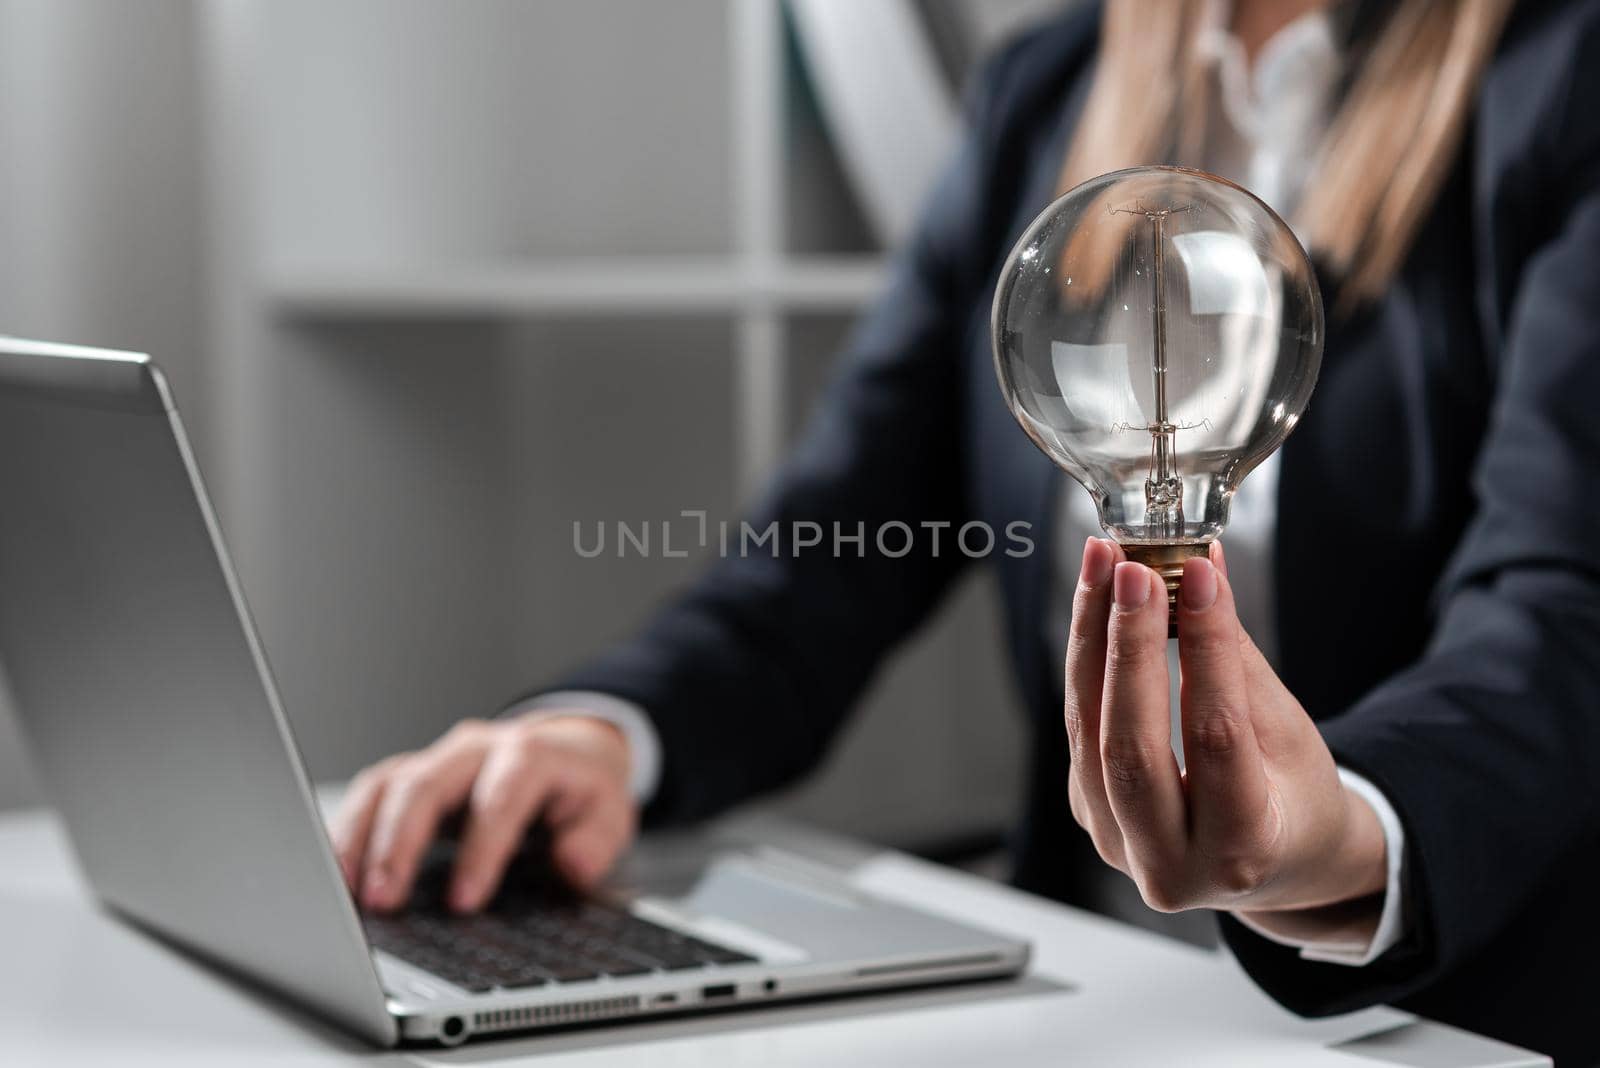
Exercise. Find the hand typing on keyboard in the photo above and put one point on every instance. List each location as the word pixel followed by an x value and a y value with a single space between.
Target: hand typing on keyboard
pixel 568 774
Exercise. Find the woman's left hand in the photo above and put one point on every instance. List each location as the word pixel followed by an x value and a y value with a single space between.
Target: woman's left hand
pixel 1258 820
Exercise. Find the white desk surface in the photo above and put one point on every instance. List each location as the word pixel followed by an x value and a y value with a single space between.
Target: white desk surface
pixel 78 987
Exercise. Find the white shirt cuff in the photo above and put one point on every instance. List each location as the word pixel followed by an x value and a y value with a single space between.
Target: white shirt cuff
pixel 644 744
pixel 1391 920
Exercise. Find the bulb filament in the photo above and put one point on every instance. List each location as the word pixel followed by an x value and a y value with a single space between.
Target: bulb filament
pixel 1163 489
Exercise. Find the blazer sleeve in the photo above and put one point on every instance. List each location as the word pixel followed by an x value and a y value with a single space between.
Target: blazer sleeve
pixel 1489 746
pixel 749 674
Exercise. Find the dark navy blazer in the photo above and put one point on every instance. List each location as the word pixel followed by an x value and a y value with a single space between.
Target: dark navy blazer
pixel 1438 542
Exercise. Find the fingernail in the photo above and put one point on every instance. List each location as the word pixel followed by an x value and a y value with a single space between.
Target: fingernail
pixel 1218 557
pixel 575 863
pixel 464 894
pixel 578 867
pixel 1132 586
pixel 1199 588
pixel 375 889
pixel 1097 563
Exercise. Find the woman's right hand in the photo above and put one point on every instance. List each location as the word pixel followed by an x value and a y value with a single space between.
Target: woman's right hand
pixel 569 772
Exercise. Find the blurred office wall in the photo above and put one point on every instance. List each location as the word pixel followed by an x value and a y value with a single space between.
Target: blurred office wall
pixel 306 210
pixel 100 190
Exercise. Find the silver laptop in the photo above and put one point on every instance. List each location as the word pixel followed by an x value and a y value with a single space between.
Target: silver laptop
pixel 158 732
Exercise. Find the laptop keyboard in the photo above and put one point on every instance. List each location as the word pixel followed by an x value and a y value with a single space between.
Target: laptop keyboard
pixel 532 934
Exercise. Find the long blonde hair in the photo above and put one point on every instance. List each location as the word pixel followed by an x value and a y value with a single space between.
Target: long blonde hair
pixel 1387 151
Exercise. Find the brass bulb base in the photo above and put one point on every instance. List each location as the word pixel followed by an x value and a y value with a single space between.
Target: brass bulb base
pixel 1167 561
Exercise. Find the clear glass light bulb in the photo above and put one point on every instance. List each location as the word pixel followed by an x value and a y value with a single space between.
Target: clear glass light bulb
pixel 1157 332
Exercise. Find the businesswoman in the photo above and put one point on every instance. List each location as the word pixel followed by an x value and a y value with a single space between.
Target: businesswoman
pixel 1391 683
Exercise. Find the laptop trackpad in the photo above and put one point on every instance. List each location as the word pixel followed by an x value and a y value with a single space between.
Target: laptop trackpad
pixel 823 917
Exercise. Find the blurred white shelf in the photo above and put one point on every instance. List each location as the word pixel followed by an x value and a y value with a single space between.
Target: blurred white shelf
pixel 891 112
pixel 608 286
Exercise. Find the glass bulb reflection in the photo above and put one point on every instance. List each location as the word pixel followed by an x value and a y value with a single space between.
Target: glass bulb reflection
pixel 1157 332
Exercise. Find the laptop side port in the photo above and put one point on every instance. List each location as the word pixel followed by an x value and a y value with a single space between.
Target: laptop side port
pixel 717 991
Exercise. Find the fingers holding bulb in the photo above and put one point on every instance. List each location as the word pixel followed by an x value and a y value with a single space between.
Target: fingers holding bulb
pixel 1142 782
pixel 1230 812
pixel 1085 678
